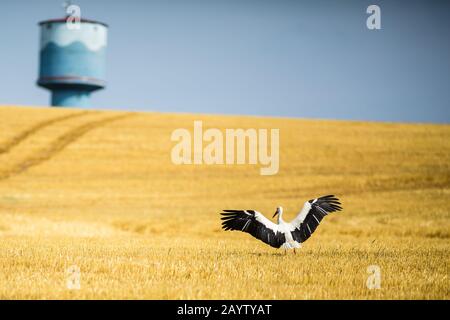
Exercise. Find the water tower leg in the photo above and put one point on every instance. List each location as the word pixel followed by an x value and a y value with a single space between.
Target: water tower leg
pixel 70 98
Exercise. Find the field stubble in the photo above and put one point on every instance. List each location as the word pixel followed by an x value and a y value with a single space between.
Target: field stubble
pixel 100 192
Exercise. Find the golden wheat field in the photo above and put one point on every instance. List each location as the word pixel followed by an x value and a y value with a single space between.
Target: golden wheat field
pixel 98 190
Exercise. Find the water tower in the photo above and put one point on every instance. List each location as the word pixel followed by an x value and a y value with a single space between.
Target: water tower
pixel 72 60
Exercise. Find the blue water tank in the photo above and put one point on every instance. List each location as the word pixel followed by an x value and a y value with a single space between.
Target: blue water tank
pixel 72 60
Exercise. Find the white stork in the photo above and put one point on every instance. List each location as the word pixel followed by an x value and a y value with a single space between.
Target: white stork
pixel 288 235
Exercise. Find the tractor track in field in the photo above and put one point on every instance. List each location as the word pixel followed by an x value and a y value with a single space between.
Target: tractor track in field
pixel 57 146
pixel 14 141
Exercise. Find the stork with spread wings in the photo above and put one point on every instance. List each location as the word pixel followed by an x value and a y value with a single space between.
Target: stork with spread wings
pixel 288 235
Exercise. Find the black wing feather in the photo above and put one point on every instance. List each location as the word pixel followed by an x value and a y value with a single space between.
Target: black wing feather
pixel 319 209
pixel 245 221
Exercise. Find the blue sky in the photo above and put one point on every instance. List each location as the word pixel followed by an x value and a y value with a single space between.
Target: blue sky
pixel 307 59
